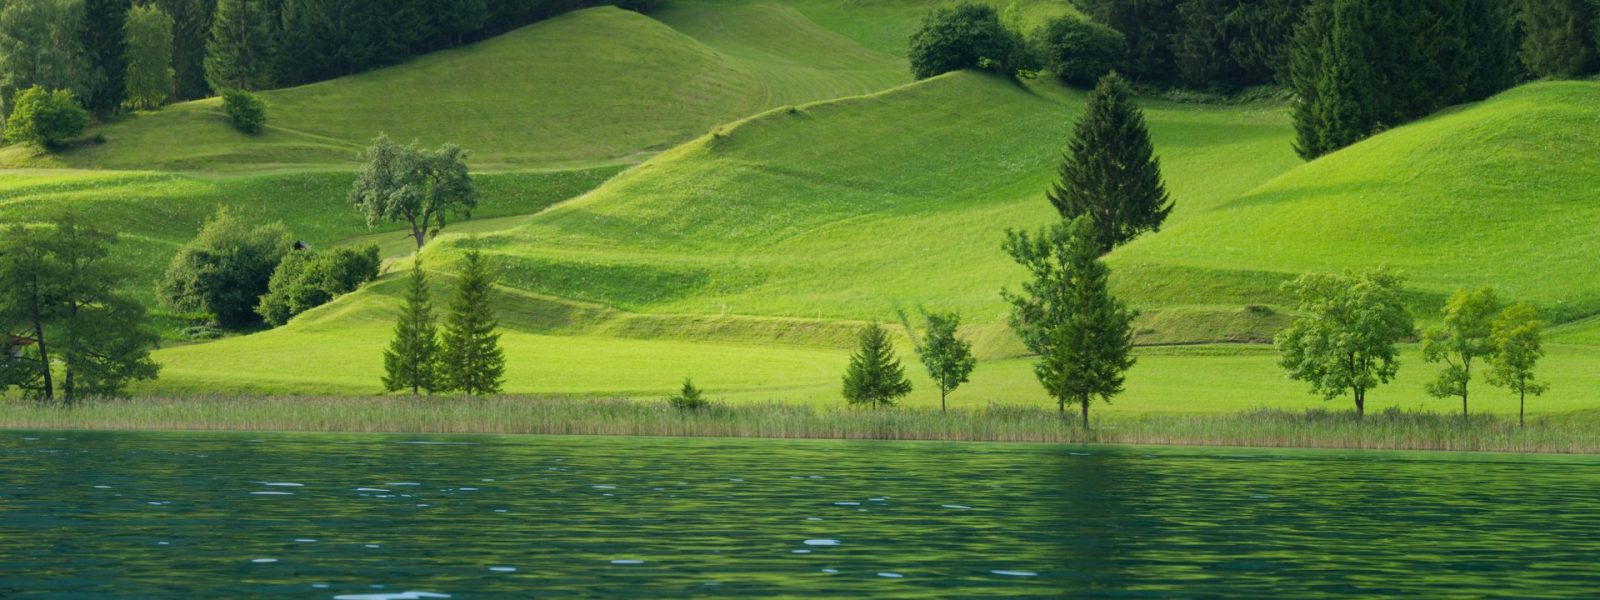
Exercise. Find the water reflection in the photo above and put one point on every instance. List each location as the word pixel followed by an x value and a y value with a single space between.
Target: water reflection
pixel 171 515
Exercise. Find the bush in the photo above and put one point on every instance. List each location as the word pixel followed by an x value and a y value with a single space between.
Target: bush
pixel 245 109
pixel 305 280
pixel 45 118
pixel 1077 51
pixel 224 271
pixel 691 398
pixel 963 37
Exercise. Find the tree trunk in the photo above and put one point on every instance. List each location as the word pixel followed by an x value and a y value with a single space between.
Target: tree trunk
pixel 38 334
pixel 1463 401
pixel 942 394
pixel 1522 408
pixel 1361 404
pixel 1085 401
pixel 419 234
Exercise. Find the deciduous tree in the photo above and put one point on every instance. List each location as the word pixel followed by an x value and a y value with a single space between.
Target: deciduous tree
pixel 1463 337
pixel 419 187
pixel 946 356
pixel 225 269
pixel 39 46
pixel 1518 347
pixel 1346 340
pixel 48 119
pixel 149 58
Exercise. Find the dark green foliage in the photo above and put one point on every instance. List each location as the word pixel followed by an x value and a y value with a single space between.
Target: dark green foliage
pixel 39 47
pixel 225 270
pixel 689 398
pixel 947 357
pixel 1067 316
pixel 420 187
pixel 1461 339
pixel 245 110
pixel 1333 79
pixel 1076 51
pixel 412 359
pixel 473 362
pixel 1346 340
pixel 1110 172
pixel 306 279
pixel 59 291
pixel 239 51
pixel 45 118
pixel 1260 33
pixel 1149 27
pixel 1560 37
pixel 965 36
pixel 875 376
pixel 104 40
pixel 149 58
pixel 191 29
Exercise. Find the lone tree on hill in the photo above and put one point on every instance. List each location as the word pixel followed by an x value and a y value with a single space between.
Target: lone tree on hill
pixel 1067 315
pixel 1347 340
pixel 1110 172
pixel 1465 335
pixel 1517 348
pixel 420 187
pixel 413 357
pixel 473 362
pixel 947 357
pixel 875 376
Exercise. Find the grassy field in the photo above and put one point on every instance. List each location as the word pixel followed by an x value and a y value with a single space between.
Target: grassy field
pixel 1391 430
pixel 728 189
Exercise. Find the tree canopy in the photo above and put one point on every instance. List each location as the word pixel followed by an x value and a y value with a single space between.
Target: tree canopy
pixel 417 186
pixel 1346 340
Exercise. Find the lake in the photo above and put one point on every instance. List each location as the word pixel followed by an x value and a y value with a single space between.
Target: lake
pixel 374 517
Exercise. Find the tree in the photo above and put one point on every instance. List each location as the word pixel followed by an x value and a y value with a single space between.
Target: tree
pixel 964 36
pixel 48 119
pixel 1110 173
pixel 1517 349
pixel 1464 336
pixel 191 30
pixel 306 279
pixel 39 46
pixel 412 360
pixel 1559 37
pixel 875 376
pixel 407 183
pixel 1076 51
pixel 1067 316
pixel 473 362
pixel 56 282
pixel 245 110
pixel 104 41
pixel 688 398
pixel 149 58
pixel 947 357
pixel 239 51
pixel 1345 342
pixel 1337 92
pixel 225 269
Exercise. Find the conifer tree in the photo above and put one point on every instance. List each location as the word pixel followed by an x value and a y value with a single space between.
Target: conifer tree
pixel 875 376
pixel 191 29
pixel 238 55
pixel 473 362
pixel 1067 316
pixel 1338 99
pixel 1560 37
pixel 412 358
pixel 104 47
pixel 1110 172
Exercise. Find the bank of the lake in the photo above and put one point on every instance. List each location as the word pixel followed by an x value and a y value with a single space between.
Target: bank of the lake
pixel 1577 432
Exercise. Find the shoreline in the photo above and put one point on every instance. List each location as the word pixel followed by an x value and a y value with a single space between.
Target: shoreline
pixel 1574 433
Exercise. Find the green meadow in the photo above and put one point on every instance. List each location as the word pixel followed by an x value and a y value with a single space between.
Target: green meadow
pixel 728 190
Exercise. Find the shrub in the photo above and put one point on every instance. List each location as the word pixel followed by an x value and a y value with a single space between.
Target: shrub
pixel 305 280
pixel 1077 51
pixel 690 398
pixel 245 109
pixel 225 269
pixel 963 37
pixel 45 118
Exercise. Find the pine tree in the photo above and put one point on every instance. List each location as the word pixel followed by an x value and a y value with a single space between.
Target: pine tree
pixel 875 376
pixel 191 28
pixel 104 47
pixel 1067 316
pixel 473 362
pixel 238 55
pixel 1110 172
pixel 412 358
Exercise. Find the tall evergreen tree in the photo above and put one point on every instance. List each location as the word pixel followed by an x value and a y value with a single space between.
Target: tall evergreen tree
pixel 1332 77
pixel 1067 316
pixel 191 29
pixel 239 52
pixel 472 361
pixel 412 358
pixel 1110 172
pixel 40 46
pixel 1560 37
pixel 875 376
pixel 104 40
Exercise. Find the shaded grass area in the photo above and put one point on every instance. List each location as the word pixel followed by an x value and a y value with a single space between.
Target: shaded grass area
pixel 1390 430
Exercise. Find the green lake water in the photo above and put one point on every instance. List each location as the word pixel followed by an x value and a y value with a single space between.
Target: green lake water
pixel 178 515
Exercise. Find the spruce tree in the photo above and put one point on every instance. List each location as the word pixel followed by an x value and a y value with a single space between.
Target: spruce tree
pixel 1110 172
pixel 104 47
pixel 1560 37
pixel 412 358
pixel 191 28
pixel 1067 316
pixel 473 362
pixel 1339 102
pixel 875 376
pixel 238 55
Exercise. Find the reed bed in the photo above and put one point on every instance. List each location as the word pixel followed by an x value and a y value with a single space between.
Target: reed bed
pixel 1393 429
